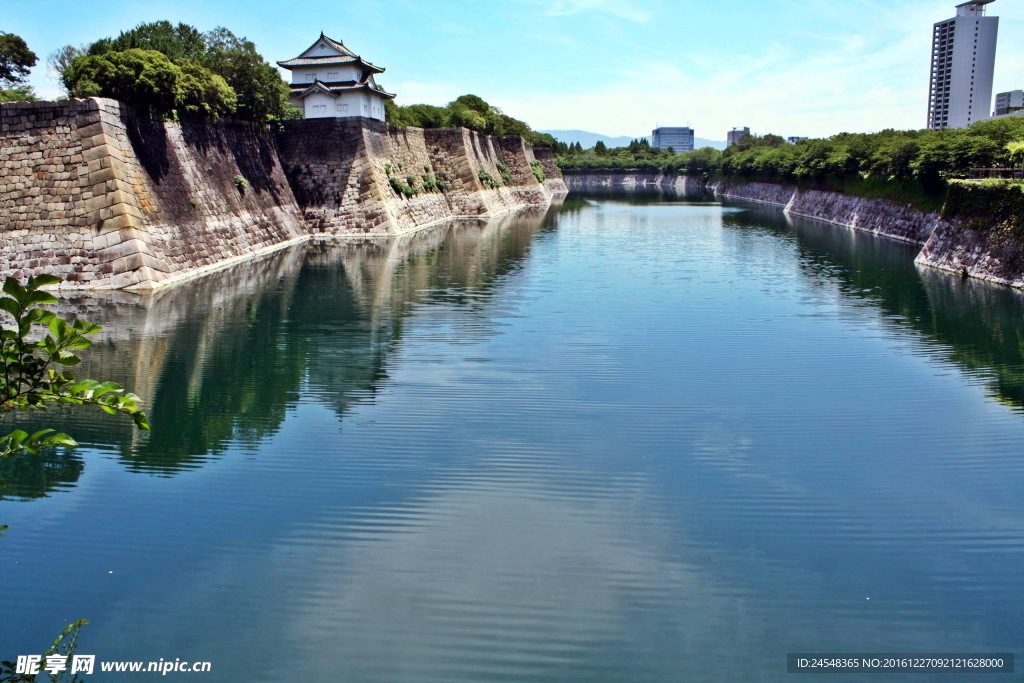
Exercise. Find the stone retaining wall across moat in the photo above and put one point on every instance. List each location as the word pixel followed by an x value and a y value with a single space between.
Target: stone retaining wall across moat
pixel 106 199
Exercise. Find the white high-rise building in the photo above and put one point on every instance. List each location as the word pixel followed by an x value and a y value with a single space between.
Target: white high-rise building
pixel 963 59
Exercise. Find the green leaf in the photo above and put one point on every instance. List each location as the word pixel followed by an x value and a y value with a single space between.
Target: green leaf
pixel 106 388
pixel 40 434
pixel 12 287
pixel 15 438
pixel 10 306
pixel 40 298
pixel 60 439
pixel 43 281
pixel 140 420
pixel 67 358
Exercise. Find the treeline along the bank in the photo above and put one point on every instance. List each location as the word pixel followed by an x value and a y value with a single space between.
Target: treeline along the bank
pixel 913 166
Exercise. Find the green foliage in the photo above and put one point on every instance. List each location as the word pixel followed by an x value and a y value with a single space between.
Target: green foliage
pixel 538 171
pixel 219 74
pixel 468 111
pixel 1016 149
pixel 241 183
pixel 993 207
pixel 430 184
pixel 178 43
pixel 142 78
pixel 262 94
pixel 909 167
pixel 21 93
pixel 65 645
pixel 34 366
pixel 403 189
pixel 505 175
pixel 487 179
pixel 15 60
pixel 60 60
pixel 203 94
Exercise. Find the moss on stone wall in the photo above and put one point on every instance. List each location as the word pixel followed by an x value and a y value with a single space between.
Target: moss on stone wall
pixel 994 207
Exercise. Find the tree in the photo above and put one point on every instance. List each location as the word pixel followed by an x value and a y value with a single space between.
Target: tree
pixel 147 79
pixel 22 93
pixel 1016 149
pixel 179 43
pixel 33 366
pixel 15 60
pixel 257 92
pixel 600 149
pixel 142 78
pixel 262 94
pixel 60 60
pixel 203 94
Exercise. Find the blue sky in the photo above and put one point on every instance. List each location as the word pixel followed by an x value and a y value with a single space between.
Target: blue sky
pixel 794 67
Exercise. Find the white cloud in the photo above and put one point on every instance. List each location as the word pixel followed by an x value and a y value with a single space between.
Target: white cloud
pixel 863 80
pixel 561 8
pixel 423 92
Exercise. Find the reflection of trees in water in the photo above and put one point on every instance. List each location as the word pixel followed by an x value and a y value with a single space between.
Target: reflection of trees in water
pixel 28 476
pixel 222 359
pixel 978 326
pixel 642 195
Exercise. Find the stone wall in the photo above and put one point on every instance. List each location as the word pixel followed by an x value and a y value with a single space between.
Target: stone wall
pixel 876 216
pixel 347 175
pixel 956 248
pixel 552 174
pixel 105 199
pixel 977 248
pixel 981 234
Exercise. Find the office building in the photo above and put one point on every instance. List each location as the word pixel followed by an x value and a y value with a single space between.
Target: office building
pixel 679 139
pixel 734 135
pixel 1009 102
pixel 963 59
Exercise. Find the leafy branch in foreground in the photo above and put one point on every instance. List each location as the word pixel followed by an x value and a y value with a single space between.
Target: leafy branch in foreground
pixel 64 646
pixel 34 374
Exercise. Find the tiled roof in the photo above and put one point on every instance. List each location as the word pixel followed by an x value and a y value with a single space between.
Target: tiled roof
pixel 346 57
pixel 336 88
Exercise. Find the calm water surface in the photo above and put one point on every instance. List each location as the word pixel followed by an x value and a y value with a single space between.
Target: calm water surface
pixel 631 438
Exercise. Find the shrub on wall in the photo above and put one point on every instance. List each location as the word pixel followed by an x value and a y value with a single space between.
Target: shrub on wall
pixel 487 179
pixel 994 207
pixel 505 175
pixel 538 171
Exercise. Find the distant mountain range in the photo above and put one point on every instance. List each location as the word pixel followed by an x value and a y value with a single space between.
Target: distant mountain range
pixel 588 139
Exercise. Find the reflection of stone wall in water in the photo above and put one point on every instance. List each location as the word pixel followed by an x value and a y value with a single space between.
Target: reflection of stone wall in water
pixel 581 182
pixel 968 323
pixel 219 360
pixel 106 199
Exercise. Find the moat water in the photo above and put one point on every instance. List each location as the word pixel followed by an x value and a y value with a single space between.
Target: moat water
pixel 632 438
